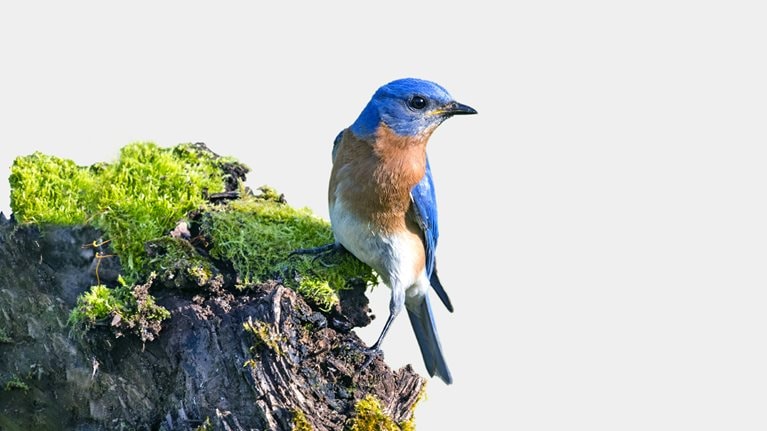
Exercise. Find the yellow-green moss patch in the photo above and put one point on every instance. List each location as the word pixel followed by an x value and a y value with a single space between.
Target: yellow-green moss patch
pixel 15 383
pixel 49 189
pixel 205 426
pixel 257 233
pixel 4 338
pixel 139 197
pixel 369 416
pixel 300 423
pixel 123 309
pixel 264 334
pixel 176 262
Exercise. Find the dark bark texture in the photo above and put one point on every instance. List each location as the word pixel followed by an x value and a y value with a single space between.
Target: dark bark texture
pixel 226 360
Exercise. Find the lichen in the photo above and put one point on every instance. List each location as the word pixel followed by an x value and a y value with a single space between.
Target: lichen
pixel 369 416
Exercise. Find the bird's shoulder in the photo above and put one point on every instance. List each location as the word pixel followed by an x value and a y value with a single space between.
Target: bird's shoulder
pixel 336 143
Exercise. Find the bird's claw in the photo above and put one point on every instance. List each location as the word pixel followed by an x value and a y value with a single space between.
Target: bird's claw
pixel 319 252
pixel 370 353
pixel 314 250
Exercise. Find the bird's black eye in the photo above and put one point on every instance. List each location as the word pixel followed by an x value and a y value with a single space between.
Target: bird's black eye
pixel 417 102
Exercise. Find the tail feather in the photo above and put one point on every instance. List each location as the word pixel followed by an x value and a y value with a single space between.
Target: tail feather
pixel 422 321
pixel 437 286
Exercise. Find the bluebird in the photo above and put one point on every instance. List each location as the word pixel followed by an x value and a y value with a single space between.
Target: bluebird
pixel 382 202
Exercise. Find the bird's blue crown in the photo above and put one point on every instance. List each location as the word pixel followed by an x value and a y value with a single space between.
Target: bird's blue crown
pixel 405 105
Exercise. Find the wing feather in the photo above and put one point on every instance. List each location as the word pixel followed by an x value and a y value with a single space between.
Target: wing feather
pixel 425 203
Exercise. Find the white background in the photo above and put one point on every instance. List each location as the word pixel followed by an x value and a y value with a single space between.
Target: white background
pixel 603 219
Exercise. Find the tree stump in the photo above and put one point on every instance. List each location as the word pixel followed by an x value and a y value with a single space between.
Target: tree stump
pixel 262 359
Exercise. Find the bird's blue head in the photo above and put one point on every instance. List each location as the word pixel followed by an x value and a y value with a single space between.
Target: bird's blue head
pixel 409 107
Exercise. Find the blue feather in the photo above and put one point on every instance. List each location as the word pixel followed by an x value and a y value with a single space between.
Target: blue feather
pixel 405 111
pixel 425 201
pixel 389 106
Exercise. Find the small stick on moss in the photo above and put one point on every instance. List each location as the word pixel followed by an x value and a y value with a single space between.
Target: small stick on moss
pixel 99 255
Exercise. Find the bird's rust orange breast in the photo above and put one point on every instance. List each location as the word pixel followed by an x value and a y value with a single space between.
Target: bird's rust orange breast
pixel 373 177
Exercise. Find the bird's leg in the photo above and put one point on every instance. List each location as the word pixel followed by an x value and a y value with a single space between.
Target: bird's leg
pixel 327 248
pixel 395 306
pixel 321 251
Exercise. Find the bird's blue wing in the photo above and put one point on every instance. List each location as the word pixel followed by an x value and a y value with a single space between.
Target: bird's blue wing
pixel 425 202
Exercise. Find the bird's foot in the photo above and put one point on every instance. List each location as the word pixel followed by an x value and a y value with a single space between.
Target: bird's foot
pixel 319 252
pixel 327 248
pixel 370 354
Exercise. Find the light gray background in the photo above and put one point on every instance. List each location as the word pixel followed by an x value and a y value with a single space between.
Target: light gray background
pixel 604 230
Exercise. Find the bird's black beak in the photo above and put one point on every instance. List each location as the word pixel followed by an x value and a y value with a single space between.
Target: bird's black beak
pixel 455 108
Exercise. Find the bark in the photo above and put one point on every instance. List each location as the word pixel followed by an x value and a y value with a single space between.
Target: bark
pixel 204 369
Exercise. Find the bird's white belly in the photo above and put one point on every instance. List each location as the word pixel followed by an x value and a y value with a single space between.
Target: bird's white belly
pixel 394 256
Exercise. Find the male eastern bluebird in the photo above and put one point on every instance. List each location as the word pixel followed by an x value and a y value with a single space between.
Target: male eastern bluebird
pixel 382 202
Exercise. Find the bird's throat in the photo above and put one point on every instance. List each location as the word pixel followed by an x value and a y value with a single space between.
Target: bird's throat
pixel 374 178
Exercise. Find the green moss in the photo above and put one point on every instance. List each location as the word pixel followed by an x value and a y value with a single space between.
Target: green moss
pixel 49 189
pixel 139 197
pixel 177 262
pixel 205 426
pixel 4 338
pixel 257 233
pixel 15 383
pixel 300 423
pixel 99 303
pixel 264 334
pixel 124 309
pixel 369 416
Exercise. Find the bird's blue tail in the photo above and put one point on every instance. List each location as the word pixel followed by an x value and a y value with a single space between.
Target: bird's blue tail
pixel 423 325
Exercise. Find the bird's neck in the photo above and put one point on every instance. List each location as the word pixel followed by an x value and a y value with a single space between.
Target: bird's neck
pixel 401 160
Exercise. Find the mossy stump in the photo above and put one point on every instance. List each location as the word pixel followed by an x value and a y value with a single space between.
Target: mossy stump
pixel 174 320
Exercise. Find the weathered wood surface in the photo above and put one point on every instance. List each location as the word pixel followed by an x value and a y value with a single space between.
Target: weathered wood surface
pixel 204 366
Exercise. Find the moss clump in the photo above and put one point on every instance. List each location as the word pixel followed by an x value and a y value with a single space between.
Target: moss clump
pixel 49 189
pixel 124 309
pixel 257 233
pixel 369 416
pixel 139 197
pixel 98 304
pixel 4 338
pixel 300 423
pixel 205 426
pixel 15 383
pixel 137 200
pixel 177 263
pixel 264 335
